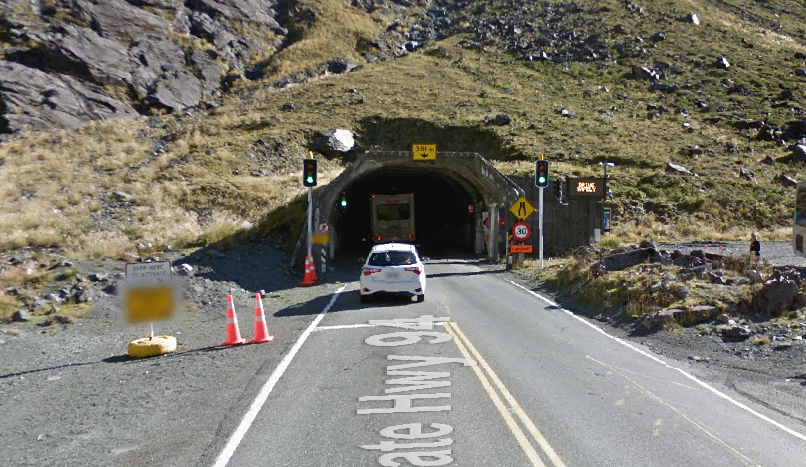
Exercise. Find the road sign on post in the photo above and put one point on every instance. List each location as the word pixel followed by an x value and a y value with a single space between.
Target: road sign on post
pixel 606 220
pixel 424 152
pixel 522 208
pixel 521 231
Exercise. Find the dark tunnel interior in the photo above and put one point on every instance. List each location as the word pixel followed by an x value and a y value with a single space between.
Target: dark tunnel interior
pixel 443 221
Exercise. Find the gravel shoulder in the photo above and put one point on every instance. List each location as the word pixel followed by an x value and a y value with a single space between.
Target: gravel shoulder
pixel 771 374
pixel 70 395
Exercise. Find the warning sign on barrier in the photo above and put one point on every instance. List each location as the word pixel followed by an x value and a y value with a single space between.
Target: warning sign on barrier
pixel 521 249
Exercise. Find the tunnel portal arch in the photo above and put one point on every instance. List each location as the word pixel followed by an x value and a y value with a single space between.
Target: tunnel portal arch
pixel 452 182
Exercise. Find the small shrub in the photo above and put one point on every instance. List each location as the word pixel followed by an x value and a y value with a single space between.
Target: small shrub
pixel 610 242
pixel 8 305
pixel 761 340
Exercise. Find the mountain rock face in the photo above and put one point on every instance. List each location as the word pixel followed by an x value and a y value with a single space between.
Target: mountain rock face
pixel 67 62
pixel 64 63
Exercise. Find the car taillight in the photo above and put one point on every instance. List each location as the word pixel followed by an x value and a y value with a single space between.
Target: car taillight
pixel 370 271
pixel 411 236
pixel 414 270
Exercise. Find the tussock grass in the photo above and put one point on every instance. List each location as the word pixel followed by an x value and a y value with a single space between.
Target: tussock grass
pixel 8 306
pixel 333 31
pixel 54 186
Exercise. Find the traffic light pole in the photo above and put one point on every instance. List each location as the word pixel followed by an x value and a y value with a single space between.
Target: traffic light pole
pixel 540 225
pixel 310 221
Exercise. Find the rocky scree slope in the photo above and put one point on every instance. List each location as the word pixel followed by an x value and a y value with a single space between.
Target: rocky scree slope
pixel 64 63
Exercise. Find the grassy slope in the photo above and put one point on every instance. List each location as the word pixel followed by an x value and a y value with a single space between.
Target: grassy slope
pixel 191 194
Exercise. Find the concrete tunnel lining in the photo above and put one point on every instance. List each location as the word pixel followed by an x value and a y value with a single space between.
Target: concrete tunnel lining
pixel 484 185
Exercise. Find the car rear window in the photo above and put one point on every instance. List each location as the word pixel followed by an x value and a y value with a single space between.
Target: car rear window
pixel 392 258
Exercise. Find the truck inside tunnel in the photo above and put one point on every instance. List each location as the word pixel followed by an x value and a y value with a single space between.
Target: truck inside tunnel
pixel 444 220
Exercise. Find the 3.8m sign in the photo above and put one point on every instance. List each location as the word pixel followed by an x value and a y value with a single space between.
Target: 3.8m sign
pixel 586 187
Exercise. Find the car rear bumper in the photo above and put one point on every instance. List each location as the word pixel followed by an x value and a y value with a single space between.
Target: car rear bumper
pixel 395 288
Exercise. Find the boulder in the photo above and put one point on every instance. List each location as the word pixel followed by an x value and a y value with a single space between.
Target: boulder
pixel 98 277
pixel 502 120
pixel 628 259
pixel 799 153
pixel 734 330
pixel 692 18
pixel 337 141
pixel 84 296
pixel 785 180
pixel 21 316
pixel 661 318
pixel 777 295
pixel 184 269
pixel 747 174
pixel 645 73
pixel 123 197
pixel 679 169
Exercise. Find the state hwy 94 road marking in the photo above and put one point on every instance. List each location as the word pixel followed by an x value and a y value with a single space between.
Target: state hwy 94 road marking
pixel 464 344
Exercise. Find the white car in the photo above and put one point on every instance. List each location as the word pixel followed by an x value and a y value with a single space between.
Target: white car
pixel 393 268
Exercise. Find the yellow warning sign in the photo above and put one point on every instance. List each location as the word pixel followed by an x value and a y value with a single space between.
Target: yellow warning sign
pixel 320 239
pixel 147 304
pixel 424 152
pixel 522 208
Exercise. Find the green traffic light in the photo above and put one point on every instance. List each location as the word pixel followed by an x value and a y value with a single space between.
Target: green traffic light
pixel 542 180
pixel 310 179
pixel 344 203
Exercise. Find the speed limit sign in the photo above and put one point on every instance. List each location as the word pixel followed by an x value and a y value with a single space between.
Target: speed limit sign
pixel 521 231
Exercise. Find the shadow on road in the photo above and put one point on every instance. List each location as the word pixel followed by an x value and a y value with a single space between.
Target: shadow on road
pixel 116 359
pixel 452 274
pixel 349 301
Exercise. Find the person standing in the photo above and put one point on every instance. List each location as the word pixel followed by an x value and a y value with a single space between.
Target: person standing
pixel 755 247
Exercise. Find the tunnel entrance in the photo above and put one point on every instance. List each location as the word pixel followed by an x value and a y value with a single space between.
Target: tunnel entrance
pixel 444 191
pixel 444 222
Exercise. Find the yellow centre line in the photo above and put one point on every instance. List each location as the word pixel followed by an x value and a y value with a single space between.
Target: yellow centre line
pixel 520 436
pixel 527 422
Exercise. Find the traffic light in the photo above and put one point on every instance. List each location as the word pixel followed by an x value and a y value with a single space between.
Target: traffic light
pixel 343 202
pixel 542 174
pixel 309 172
pixel 558 189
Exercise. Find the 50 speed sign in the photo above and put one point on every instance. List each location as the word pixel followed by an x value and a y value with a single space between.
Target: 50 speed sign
pixel 521 231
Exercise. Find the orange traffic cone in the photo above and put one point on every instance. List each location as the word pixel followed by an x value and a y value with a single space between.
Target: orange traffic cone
pixel 310 271
pixel 233 334
pixel 261 330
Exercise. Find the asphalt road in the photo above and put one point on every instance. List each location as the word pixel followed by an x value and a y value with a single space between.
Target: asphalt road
pixel 547 389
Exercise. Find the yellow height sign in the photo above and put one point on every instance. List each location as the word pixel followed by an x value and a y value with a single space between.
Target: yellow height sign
pixel 424 152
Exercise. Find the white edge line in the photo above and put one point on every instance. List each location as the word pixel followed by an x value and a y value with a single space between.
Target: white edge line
pixel 250 415
pixel 687 375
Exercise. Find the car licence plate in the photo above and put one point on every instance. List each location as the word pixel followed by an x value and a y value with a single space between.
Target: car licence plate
pixel 392 275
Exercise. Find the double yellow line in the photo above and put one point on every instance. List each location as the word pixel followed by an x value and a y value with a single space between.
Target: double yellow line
pixel 485 375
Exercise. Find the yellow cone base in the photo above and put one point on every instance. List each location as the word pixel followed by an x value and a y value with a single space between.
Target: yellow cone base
pixel 152 347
